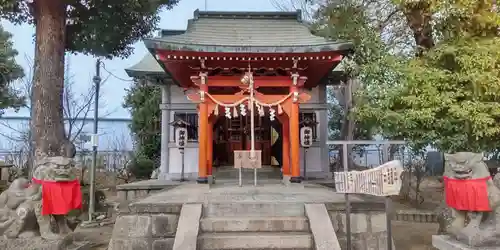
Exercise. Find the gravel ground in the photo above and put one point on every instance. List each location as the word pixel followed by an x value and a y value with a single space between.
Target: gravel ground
pixel 413 236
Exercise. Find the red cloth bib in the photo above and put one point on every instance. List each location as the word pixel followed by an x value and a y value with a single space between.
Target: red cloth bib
pixel 467 194
pixel 59 198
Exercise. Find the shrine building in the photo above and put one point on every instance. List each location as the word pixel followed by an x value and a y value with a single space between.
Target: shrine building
pixel 205 73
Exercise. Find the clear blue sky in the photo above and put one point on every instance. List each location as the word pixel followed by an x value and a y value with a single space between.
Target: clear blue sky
pixel 114 89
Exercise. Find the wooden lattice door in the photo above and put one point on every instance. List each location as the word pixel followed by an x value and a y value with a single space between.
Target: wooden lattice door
pixel 239 136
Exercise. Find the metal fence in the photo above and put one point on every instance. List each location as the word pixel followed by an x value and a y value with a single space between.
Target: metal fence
pixel 112 161
pixel 343 158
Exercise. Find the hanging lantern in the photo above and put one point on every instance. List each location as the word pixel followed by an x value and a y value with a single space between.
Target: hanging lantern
pixel 228 112
pixel 243 110
pixel 272 114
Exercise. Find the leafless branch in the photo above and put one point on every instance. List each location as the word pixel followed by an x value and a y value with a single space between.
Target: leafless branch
pixel 76 107
pixel 308 7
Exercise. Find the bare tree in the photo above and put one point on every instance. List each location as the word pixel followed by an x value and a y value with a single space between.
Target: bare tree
pixel 384 15
pixel 76 109
pixel 308 7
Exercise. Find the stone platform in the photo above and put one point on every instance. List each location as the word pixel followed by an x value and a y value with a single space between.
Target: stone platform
pixel 152 223
pixel 141 189
pixel 445 242
pixel 224 176
pixel 266 191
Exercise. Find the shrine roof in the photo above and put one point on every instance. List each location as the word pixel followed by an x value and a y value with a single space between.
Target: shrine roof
pixel 246 32
pixel 148 66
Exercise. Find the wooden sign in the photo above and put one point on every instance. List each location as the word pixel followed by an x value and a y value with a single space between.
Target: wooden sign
pixel 384 180
pixel 243 159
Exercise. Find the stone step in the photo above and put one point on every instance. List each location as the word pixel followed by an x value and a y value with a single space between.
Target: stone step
pixel 254 224
pixel 262 173
pixel 255 241
pixel 271 209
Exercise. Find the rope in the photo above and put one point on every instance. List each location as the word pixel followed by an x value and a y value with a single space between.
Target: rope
pixel 227 105
pixel 274 103
pixel 248 98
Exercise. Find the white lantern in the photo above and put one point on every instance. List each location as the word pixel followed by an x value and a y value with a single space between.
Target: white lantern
pixel 181 137
pixel 306 136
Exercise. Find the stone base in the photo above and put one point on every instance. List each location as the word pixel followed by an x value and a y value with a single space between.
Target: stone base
pixel 317 175
pixel 446 242
pixel 295 179
pixel 202 180
pixel 177 176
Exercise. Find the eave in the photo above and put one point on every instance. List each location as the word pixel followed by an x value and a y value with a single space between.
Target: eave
pixel 159 44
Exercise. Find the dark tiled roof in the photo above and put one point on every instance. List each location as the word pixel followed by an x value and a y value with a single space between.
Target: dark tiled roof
pixel 148 66
pixel 214 31
pixel 251 32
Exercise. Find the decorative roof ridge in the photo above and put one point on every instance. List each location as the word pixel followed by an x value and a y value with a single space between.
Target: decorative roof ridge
pixel 170 32
pixel 287 15
pixel 326 42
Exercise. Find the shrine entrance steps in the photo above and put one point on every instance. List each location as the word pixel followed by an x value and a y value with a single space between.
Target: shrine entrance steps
pixel 267 216
pixel 229 173
pixel 226 226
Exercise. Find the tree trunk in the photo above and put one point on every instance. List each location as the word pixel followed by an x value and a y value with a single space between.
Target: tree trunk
pixel 348 125
pixel 48 83
pixel 418 15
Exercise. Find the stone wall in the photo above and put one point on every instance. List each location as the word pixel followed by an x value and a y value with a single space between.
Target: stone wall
pixel 368 225
pixel 145 227
pixel 141 189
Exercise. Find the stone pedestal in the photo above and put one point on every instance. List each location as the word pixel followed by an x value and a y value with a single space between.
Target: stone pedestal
pixel 445 242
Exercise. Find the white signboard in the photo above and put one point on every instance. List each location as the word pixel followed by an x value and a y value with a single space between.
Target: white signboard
pixel 243 159
pixel 384 180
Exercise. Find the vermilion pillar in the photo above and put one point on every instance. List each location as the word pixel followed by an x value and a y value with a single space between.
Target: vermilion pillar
pixel 294 144
pixel 202 139
pixel 210 144
pixel 285 131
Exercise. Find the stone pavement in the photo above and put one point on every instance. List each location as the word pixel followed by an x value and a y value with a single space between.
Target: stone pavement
pixel 270 193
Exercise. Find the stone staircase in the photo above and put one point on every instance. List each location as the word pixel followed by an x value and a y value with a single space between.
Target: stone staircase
pixel 231 226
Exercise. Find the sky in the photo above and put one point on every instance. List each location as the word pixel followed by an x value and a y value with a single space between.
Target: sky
pixel 114 89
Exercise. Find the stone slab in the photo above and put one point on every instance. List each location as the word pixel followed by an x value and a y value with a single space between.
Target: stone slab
pixel 255 209
pixel 269 193
pixel 254 224
pixel 445 242
pixel 188 227
pixel 148 185
pixel 321 227
pixel 255 240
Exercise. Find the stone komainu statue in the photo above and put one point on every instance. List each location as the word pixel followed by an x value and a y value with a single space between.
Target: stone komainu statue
pixel 473 200
pixel 27 209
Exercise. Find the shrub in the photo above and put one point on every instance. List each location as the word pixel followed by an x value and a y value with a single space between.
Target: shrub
pixel 141 167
